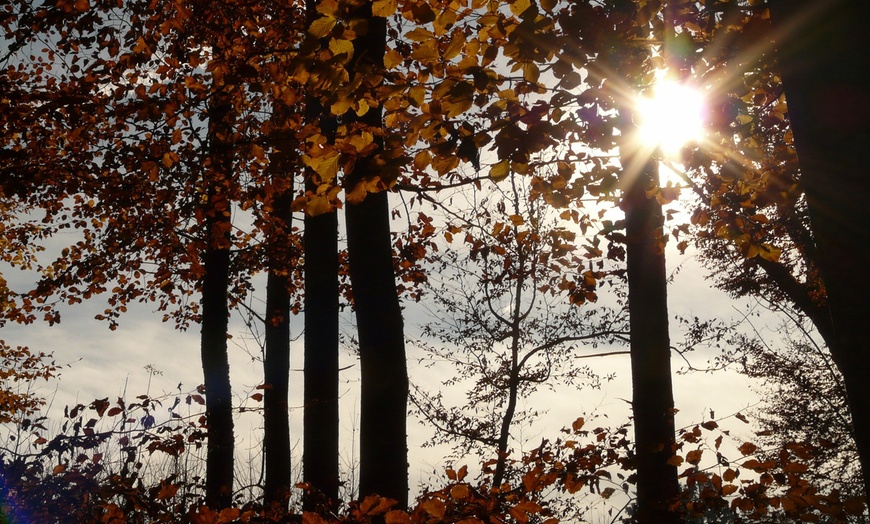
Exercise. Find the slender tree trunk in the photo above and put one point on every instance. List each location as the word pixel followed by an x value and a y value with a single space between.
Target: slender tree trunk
pixel 215 310
pixel 276 365
pixel 320 454
pixel 320 415
pixel 822 51
pixel 384 388
pixel 514 379
pixel 384 376
pixel 276 423
pixel 652 389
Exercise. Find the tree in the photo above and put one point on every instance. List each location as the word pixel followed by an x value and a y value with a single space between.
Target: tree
pixel 158 138
pixel 320 455
pixel 819 49
pixel 384 376
pixel 283 255
pixel 503 321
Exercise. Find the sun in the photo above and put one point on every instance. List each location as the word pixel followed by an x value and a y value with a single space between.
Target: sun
pixel 670 116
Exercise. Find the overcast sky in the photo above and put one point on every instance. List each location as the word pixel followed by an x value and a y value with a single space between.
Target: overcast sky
pixel 104 363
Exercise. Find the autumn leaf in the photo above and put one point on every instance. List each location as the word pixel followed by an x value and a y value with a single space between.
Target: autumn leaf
pixel 694 457
pixel 397 517
pixel 747 448
pixel 167 491
pixel 434 507
pixel 392 58
pixel 460 492
pixel 321 27
pixel 500 170
pixel 384 8
pixel 340 46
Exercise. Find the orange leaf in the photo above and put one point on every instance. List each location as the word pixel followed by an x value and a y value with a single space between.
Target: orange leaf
pixel 694 456
pixel 459 492
pixel 397 517
pixel 167 491
pixel 434 507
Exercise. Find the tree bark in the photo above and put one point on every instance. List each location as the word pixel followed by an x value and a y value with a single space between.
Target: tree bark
pixel 215 310
pixel 822 52
pixel 276 365
pixel 384 376
pixel 652 390
pixel 320 415
pixel 320 454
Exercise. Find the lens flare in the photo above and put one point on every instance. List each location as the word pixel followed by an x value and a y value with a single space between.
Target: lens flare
pixel 671 116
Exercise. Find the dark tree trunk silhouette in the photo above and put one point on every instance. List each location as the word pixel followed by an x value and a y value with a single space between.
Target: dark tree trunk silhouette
pixel 822 53
pixel 215 310
pixel 384 376
pixel 320 415
pixel 276 365
pixel 320 454
pixel 652 389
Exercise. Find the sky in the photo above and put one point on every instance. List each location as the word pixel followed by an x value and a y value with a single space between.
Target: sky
pixel 146 355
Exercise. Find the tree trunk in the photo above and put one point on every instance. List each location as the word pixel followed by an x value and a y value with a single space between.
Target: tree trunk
pixel 320 454
pixel 276 365
pixel 384 387
pixel 822 52
pixel 652 389
pixel 320 415
pixel 276 424
pixel 215 310
pixel 384 376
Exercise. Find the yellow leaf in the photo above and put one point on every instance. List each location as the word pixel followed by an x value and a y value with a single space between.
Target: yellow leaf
pixel 445 20
pixel 392 58
pixel 422 159
pixel 519 6
pixel 341 46
pixel 420 35
pixel 362 108
pixel 417 94
pixel 321 27
pixel 500 170
pixel 340 106
pixel 531 72
pixel 456 108
pixel 327 7
pixel 359 142
pixel 384 8
pixel 768 252
pixel 318 205
pixel 455 46
pixel 425 53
